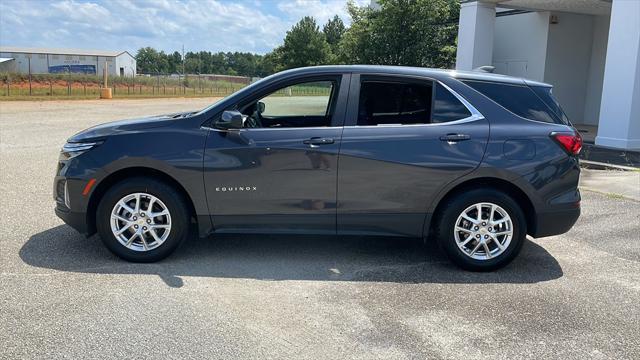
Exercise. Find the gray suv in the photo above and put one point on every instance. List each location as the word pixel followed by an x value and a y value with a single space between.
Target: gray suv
pixel 476 161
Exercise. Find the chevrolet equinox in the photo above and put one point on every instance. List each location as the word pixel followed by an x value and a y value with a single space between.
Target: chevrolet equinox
pixel 474 160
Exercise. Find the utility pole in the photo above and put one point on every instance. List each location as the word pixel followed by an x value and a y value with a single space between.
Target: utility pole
pixel 104 74
pixel 29 58
pixel 183 73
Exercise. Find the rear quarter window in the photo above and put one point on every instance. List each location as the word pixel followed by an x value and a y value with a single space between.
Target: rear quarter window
pixel 546 95
pixel 446 107
pixel 518 99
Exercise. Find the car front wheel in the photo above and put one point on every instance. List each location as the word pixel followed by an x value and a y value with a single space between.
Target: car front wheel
pixel 142 220
pixel 481 229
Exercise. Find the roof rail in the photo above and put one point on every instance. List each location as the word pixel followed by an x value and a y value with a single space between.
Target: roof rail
pixel 485 69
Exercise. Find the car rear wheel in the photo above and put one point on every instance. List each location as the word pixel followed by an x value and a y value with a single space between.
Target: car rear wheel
pixel 481 229
pixel 142 220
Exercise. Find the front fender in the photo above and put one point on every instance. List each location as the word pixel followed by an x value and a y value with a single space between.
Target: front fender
pixel 176 154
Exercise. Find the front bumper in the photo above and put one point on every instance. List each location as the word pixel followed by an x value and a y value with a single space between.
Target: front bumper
pixel 77 220
pixel 73 185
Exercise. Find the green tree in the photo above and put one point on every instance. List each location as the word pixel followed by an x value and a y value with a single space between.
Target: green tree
pixel 217 63
pixel 147 59
pixel 333 31
pixel 402 32
pixel 175 63
pixel 204 62
pixel 196 62
pixel 191 64
pixel 270 62
pixel 304 45
pixel 162 63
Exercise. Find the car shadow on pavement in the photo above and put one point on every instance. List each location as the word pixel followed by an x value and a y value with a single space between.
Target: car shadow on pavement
pixel 278 257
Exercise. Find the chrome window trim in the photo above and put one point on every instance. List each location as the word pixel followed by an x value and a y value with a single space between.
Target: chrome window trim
pixel 461 121
pixel 293 128
pixel 474 112
pixel 273 128
pixel 475 116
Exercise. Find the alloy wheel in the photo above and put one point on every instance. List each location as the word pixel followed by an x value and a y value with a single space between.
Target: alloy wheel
pixel 140 221
pixel 483 231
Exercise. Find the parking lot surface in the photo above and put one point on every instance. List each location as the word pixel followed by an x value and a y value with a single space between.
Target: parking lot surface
pixel 573 296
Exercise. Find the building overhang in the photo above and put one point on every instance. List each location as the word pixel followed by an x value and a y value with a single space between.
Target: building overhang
pixel 588 7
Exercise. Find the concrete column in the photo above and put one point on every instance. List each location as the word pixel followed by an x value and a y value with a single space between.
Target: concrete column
pixel 619 123
pixel 475 35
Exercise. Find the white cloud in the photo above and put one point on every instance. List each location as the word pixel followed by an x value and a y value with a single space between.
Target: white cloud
pixel 319 9
pixel 82 12
pixel 214 25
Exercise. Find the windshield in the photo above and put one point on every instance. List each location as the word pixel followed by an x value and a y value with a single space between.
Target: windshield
pixel 546 95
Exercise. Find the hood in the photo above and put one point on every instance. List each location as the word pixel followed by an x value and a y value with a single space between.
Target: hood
pixel 104 130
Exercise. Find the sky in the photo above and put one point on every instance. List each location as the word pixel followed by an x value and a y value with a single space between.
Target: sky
pixel 212 25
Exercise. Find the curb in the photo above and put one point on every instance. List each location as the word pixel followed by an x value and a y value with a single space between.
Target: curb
pixel 608 194
pixel 604 166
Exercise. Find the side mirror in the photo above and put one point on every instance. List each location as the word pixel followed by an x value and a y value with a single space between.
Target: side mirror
pixel 261 107
pixel 231 119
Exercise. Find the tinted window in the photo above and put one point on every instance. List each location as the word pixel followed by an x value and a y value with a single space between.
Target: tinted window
pixel 545 94
pixel 520 100
pixel 447 107
pixel 383 102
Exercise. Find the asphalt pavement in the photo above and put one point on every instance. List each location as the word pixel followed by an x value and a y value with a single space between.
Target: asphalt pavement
pixel 572 296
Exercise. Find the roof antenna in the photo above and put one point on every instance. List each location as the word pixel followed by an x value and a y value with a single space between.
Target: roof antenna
pixel 485 69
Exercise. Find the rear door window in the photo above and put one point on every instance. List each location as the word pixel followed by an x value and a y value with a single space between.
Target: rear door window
pixel 390 102
pixel 518 99
pixel 398 102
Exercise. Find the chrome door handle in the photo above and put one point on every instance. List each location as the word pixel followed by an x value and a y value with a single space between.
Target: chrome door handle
pixel 318 141
pixel 453 138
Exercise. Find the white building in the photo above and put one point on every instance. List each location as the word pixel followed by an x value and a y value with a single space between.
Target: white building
pixel 43 61
pixel 588 49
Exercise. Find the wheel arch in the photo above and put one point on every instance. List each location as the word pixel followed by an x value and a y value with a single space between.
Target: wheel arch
pixel 103 186
pixel 511 189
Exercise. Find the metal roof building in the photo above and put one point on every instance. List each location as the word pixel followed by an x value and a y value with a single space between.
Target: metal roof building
pixel 50 60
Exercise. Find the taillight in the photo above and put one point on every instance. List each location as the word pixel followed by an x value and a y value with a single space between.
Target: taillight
pixel 570 142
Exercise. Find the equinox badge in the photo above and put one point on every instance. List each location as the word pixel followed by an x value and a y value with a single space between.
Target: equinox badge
pixel 236 188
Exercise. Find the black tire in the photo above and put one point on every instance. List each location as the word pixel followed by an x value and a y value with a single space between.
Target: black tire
pixel 175 203
pixel 454 206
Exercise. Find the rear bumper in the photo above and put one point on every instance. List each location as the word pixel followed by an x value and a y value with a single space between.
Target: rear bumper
pixel 76 220
pixel 555 222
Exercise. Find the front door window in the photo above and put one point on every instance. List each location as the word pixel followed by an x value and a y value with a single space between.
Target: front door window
pixel 302 105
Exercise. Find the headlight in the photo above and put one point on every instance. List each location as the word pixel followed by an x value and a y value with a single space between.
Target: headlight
pixel 74 149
